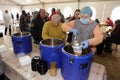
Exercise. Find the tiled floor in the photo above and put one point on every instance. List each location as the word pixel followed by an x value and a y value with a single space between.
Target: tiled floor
pixel 111 63
pixel 14 29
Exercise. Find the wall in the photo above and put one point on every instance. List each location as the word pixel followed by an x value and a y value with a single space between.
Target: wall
pixel 32 7
pixel 6 5
pixel 103 8
pixel 11 7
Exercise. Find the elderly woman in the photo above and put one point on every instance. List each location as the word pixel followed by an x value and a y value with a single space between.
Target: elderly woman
pixel 86 30
pixel 52 29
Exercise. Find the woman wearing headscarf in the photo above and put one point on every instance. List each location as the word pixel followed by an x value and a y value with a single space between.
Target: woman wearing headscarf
pixel 86 30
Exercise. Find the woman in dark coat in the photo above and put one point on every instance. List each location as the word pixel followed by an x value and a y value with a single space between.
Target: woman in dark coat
pixel 37 25
pixel 115 34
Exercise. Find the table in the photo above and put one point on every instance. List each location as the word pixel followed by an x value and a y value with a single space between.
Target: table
pixel 15 71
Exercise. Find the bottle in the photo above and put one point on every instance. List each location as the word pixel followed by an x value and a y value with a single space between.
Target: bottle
pixel 53 69
pixel 76 46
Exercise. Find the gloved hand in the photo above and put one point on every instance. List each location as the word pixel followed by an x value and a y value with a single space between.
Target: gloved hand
pixel 85 44
pixel 74 31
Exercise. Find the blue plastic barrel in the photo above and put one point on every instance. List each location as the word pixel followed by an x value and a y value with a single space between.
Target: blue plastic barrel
pixel 75 67
pixel 51 50
pixel 22 42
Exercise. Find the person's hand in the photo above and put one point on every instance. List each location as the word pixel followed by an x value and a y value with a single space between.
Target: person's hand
pixel 85 44
pixel 74 31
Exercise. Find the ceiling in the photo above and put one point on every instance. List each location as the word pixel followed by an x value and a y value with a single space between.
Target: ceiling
pixel 31 2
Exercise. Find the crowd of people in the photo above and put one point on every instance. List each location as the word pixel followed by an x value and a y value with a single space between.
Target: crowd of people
pixel 111 36
pixel 41 25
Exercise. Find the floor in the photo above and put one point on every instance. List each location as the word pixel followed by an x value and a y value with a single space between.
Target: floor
pixel 110 61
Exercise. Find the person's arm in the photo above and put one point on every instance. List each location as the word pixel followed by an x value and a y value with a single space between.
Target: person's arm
pixel 98 37
pixel 45 30
pixel 67 26
pixel 63 36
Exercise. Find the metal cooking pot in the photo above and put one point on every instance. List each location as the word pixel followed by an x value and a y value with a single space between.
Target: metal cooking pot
pixel 51 50
pixel 22 42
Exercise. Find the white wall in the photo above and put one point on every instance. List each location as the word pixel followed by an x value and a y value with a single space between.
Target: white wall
pixel 32 8
pixel 103 8
pixel 6 5
pixel 61 6
pixel 10 8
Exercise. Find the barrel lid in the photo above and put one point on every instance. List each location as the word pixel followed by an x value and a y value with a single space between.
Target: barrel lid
pixel 52 42
pixel 68 49
pixel 21 34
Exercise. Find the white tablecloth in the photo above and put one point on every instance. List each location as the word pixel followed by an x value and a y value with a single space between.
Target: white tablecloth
pixel 15 71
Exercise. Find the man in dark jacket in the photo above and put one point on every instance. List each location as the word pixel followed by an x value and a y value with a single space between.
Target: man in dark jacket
pixel 24 21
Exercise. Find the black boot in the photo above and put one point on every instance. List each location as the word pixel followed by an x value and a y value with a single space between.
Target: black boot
pixel 2 77
pixel 9 29
pixel 5 30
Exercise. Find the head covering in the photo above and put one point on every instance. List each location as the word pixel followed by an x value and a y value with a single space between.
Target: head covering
pixel 86 10
pixel 53 10
pixel 35 13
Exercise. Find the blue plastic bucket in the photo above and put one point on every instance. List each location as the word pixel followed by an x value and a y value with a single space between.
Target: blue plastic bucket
pixel 51 50
pixel 22 42
pixel 75 67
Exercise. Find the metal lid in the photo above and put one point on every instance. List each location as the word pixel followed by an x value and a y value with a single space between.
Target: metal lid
pixel 52 41
pixel 21 34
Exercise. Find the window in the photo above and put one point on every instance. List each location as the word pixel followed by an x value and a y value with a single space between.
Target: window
pixel 27 10
pixel 94 13
pixel 14 12
pixel 67 12
pixel 115 14
pixel 1 15
pixel 49 10
pixel 37 9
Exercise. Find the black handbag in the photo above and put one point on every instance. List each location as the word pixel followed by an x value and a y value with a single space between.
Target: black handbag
pixel 1 34
pixel 39 65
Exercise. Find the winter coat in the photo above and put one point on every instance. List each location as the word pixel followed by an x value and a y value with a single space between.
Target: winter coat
pixel 115 35
pixel 7 20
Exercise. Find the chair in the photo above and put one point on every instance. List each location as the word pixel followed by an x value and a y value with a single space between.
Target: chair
pixel 116 47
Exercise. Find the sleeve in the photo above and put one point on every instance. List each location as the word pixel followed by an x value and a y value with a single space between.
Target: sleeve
pixel 45 32
pixel 98 36
pixel 63 36
pixel 67 26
